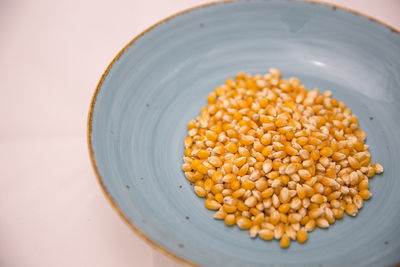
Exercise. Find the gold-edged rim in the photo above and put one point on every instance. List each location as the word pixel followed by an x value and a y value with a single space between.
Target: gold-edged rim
pixel 154 244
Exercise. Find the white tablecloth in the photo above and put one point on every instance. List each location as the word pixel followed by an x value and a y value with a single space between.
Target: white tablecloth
pixel 52 54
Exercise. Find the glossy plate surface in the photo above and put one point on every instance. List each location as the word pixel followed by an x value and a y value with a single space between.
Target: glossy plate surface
pixel 160 81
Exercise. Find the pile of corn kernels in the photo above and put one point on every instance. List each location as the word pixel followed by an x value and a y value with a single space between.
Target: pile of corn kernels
pixel 276 159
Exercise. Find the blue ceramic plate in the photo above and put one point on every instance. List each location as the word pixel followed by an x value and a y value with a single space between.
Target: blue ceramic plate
pixel 159 82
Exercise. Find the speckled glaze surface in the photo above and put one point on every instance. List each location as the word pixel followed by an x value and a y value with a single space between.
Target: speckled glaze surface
pixel 139 114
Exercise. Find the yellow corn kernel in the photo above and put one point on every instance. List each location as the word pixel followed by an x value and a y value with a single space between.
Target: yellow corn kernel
pixel 216 128
pixel 248 185
pixel 215 161
pixel 351 209
pixel 258 219
pixel 289 135
pixel 331 173
pixel 315 155
pixel 219 197
pixel 345 151
pixel 284 208
pixel 284 195
pixel 198 175
pixel 301 193
pixel 202 169
pixel 338 213
pixel 254 211
pixel 267 193
pixel 195 164
pixel 294 218
pixel 334 195
pixel 216 177
pixel 199 183
pixel 230 219
pixel 208 184
pixel 275 217
pixel 285 241
pixel 337 156
pixel 266 139
pixel 220 215
pixel 200 192
pixel 273 175
pixel 261 185
pixel 212 97
pixel 239 161
pixel 358 201
pixel 235 184
pixel 363 185
pixel 186 167
pixel 241 206
pixel 322 223
pixel 354 163
pixel 302 141
pixel 366 161
pixel 290 150
pixel 378 168
pixel 188 142
pixel 190 176
pixel 371 172
pixel 305 174
pixel 360 134
pixel 219 150
pixel 244 223
pixel 229 178
pixel 315 212
pixel 276 165
pixel 191 124
pixel 231 147
pixel 219 91
pixel 365 194
pixel 328 181
pixel 243 170
pixel 266 151
pixel 266 119
pixel 310 225
pixel 188 152
pixel 259 157
pixel 232 133
pixel 227 167
pixel 283 218
pixel 203 154
pixel 284 179
pixel 211 204
pixel 326 152
pixel 263 102
pixel 304 220
pixel 212 136
pixel 359 146
pixel 239 193
pixel 246 140
pixel 266 234
pixel 250 202
pixel 313 141
pixel 229 208
pixel 302 235
pixel 281 122
pixel 317 198
pixel 308 190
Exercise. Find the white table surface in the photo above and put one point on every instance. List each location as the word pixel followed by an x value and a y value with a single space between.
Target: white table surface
pixel 52 54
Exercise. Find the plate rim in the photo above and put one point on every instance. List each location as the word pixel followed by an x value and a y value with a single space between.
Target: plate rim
pixel 113 203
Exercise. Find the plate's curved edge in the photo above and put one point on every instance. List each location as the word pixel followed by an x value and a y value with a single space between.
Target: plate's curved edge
pixel 335 6
pixel 100 83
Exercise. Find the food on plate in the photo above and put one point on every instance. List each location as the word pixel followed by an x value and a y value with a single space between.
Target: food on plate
pixel 276 159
